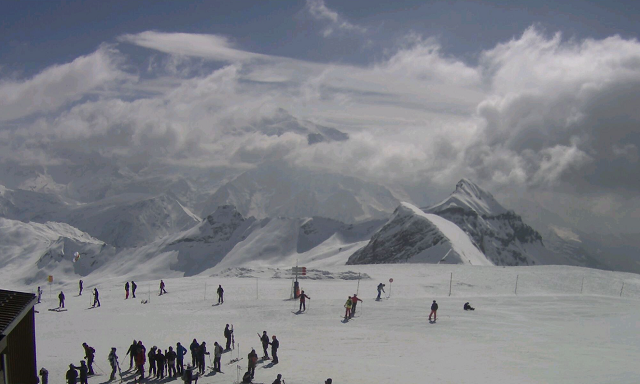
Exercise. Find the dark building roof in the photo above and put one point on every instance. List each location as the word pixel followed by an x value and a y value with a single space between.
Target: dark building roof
pixel 12 305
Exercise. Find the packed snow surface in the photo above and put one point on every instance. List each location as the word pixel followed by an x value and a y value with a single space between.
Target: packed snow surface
pixel 565 325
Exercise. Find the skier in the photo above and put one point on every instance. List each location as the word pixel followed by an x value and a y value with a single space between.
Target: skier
pixel 227 335
pixel 265 344
pixel 72 375
pixel 194 351
pixel 354 303
pixel 171 362
pixel 220 294
pixel 39 294
pixel 246 378
pixel 126 290
pixel 328 381
pixel 44 374
pixel 217 355
pixel 96 299
pixel 278 380
pixel 347 305
pixel 252 361
pixel 160 359
pixel 275 344
pixel 434 309
pixel 180 352
pixel 140 358
pixel 302 302
pixel 380 290
pixel 84 374
pixel 89 354
pixel 162 290
pixel 152 361
pixel 80 285
pixel 113 360
pixel 61 299
pixel 132 351
pixel 201 352
pixel 468 307
pixel 133 289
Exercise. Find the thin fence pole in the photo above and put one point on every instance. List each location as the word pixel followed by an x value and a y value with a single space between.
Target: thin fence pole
pixel 450 282
pixel 358 288
pixel 205 291
pixel 582 285
pixel 621 289
pixel 257 289
pixel 516 292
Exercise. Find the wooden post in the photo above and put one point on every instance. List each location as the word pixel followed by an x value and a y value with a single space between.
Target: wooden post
pixel 450 281
pixel 582 285
pixel 621 289
pixel 205 291
pixel 517 284
pixel 257 288
pixel 358 289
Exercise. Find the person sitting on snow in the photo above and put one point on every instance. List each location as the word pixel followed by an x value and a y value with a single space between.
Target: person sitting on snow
pixel 468 307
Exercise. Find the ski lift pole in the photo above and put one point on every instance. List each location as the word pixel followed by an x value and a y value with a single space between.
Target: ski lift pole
pixel 358 288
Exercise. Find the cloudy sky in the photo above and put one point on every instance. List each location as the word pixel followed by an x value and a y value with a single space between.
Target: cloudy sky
pixel 532 100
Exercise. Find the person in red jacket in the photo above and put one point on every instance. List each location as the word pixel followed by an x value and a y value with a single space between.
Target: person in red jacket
pixel 303 306
pixel 141 358
pixel 354 303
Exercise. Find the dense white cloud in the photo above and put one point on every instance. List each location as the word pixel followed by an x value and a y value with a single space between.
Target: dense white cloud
pixel 60 84
pixel 535 112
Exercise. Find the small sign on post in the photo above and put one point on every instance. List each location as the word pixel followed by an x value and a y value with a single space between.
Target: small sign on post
pixel 390 281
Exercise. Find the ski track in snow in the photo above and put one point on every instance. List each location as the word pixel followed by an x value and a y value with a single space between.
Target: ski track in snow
pixel 548 333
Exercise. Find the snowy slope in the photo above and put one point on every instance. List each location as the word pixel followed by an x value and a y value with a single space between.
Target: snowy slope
pixel 549 333
pixel 415 237
pixel 29 252
pixel 500 234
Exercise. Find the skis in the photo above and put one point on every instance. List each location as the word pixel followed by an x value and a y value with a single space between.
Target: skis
pixel 234 360
pixel 57 309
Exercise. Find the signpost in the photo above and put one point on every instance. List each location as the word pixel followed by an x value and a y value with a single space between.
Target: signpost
pixel 296 286
pixel 390 281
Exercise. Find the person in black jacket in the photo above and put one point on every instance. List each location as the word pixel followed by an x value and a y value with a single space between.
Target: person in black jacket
pixel 468 307
pixel 72 375
pixel 151 358
pixel 275 344
pixel 61 298
pixel 194 352
pixel 133 289
pixel 171 362
pixel 201 352
pixel 84 374
pixel 80 286
pixel 126 290
pixel 160 359
pixel 227 335
pixel 220 294
pixel 265 344
pixel 132 352
pixel 89 354
pixel 278 380
pixel 96 299
pixel 434 310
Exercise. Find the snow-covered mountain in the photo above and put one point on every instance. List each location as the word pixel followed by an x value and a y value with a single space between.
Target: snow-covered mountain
pixel 32 251
pixel 275 189
pixel 416 237
pixel 499 233
pixel 131 220
pixel 226 239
